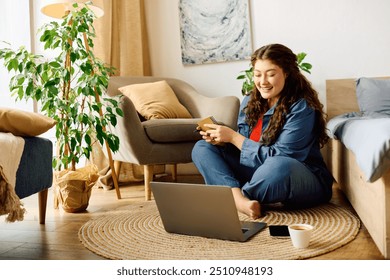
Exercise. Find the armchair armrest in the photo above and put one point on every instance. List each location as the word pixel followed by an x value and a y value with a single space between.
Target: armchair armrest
pixel 133 139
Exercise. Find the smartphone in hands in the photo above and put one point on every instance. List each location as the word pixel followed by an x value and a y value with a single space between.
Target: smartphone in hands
pixel 208 120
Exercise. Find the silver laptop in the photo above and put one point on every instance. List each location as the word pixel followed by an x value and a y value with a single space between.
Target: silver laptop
pixel 201 210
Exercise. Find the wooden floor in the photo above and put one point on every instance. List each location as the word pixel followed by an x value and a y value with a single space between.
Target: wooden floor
pixel 58 238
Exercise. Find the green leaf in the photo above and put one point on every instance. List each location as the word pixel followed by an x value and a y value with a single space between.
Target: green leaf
pixel 113 120
pixel 300 57
pixel 39 68
pixel 73 57
pixel 45 76
pixel 29 64
pixel 20 93
pixel 54 163
pixel 21 80
pixel 53 90
pixel 113 142
pixel 78 136
pixel 73 143
pixel 306 65
pixel 85 119
pixel 119 112
pixel 29 89
pixel 38 94
pixel 96 107
pixel 45 106
pixel 54 64
pixel 12 65
pixel 87 91
pixel 87 139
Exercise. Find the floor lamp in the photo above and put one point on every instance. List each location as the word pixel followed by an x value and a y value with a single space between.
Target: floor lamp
pixel 58 9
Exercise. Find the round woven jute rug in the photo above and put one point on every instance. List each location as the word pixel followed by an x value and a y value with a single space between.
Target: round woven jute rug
pixel 136 232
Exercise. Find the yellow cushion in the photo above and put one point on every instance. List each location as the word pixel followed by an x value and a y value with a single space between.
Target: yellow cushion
pixel 23 123
pixel 155 100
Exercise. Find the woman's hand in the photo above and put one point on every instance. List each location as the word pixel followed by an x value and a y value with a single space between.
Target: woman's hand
pixel 222 134
pixel 217 133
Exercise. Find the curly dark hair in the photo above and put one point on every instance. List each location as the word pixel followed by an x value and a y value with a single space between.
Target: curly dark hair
pixel 296 87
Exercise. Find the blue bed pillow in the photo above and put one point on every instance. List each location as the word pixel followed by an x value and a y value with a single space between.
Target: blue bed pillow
pixel 373 96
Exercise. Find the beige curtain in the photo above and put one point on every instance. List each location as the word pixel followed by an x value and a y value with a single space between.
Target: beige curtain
pixel 121 41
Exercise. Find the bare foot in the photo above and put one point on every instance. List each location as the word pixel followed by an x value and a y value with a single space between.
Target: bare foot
pixel 251 208
pixel 254 209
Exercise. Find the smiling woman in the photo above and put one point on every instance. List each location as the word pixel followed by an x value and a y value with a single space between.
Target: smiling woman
pixel 247 75
pixel 269 79
pixel 285 165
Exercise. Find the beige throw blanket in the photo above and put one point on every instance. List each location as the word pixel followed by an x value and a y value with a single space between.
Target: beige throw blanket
pixel 11 153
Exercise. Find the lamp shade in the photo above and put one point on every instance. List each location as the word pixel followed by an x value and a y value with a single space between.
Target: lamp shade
pixel 58 8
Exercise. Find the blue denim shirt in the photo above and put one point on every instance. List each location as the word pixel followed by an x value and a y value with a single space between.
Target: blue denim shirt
pixel 296 140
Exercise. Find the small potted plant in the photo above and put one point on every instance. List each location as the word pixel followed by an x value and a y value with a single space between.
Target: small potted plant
pixel 70 87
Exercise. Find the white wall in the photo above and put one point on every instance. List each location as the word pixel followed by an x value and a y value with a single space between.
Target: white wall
pixel 342 39
pixel 347 38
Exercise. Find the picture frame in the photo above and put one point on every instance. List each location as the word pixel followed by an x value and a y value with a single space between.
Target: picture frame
pixel 214 31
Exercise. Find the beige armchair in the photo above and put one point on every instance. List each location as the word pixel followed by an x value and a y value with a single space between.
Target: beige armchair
pixel 165 141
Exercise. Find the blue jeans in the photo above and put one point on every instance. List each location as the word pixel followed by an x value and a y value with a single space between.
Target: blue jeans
pixel 278 179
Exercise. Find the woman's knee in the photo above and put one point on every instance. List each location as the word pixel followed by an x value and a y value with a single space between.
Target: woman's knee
pixel 203 153
pixel 275 179
pixel 200 150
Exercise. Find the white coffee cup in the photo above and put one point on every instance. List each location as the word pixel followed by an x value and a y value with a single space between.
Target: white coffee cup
pixel 300 234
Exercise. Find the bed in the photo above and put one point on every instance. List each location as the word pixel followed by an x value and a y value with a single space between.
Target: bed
pixel 367 190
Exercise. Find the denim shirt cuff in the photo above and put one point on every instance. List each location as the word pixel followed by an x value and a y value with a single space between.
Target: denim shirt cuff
pixel 249 153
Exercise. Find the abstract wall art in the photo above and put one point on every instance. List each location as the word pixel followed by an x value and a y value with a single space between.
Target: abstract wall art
pixel 214 31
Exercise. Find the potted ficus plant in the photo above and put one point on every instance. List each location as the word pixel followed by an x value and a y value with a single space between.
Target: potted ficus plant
pixel 70 88
pixel 247 75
